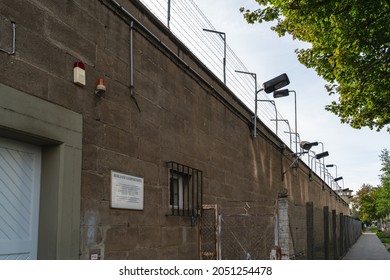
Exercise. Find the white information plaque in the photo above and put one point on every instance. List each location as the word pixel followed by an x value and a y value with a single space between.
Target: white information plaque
pixel 127 192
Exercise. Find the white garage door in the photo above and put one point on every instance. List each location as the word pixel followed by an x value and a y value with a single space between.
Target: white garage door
pixel 20 169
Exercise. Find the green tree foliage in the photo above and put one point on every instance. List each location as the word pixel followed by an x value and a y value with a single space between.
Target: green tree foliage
pixel 350 49
pixel 383 201
pixel 371 203
pixel 385 158
pixel 383 192
pixel 364 203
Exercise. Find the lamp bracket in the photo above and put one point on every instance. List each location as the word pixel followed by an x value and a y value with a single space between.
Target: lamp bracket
pixel 292 164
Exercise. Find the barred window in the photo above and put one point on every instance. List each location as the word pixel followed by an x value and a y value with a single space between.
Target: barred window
pixel 185 190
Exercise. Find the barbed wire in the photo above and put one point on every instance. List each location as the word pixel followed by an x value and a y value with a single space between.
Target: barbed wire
pixel 187 22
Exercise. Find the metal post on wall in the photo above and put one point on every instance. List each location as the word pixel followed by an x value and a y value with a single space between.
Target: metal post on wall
pixel 219 239
pixel 341 237
pixel 132 57
pixel 223 37
pixel 276 112
pixel 334 235
pixel 169 14
pixel 131 63
pixel 254 76
pixel 310 230
pixel 326 232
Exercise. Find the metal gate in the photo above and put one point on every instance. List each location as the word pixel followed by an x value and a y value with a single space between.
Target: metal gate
pixel 247 230
pixel 209 233
pixel 237 231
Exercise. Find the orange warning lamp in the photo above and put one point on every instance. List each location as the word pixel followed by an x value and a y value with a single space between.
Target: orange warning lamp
pixel 100 87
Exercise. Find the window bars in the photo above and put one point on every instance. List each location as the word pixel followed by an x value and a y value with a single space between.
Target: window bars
pixel 185 190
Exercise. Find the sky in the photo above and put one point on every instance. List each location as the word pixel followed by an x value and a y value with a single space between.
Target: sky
pixel 354 152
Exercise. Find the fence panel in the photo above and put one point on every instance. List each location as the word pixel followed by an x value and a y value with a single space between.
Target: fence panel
pixel 209 233
pixel 247 230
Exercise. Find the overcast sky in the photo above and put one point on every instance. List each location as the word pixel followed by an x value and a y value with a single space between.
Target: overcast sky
pixel 355 152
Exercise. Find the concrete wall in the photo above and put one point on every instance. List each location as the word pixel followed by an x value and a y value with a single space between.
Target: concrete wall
pixel 179 112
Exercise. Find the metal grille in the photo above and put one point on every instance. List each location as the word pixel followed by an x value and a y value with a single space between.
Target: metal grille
pixel 247 231
pixel 209 242
pixel 185 190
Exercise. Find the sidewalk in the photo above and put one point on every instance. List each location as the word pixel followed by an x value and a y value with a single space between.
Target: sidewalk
pixel 368 247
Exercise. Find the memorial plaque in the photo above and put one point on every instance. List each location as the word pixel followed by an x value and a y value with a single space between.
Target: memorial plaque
pixel 127 192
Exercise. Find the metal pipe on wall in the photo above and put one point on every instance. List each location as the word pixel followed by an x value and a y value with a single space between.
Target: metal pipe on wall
pixel 169 15
pixel 131 58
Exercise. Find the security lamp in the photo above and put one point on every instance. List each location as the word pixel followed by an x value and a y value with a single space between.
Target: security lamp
pixel 321 155
pixel 281 93
pixel 332 165
pixel 284 93
pixel 276 83
pixel 338 179
pixel 269 86
pixel 307 145
pixel 317 156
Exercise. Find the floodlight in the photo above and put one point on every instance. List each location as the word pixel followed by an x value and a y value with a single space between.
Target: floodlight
pixel 276 83
pixel 284 93
pixel 307 145
pixel 321 155
pixel 269 86
pixel 281 93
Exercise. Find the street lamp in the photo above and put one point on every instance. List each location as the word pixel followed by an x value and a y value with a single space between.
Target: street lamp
pixel 223 37
pixel 325 171
pixel 283 93
pixel 332 165
pixel 328 176
pixel 317 156
pixel 276 83
pixel 269 86
pixel 338 179
pixel 323 160
pixel 322 155
pixel 307 145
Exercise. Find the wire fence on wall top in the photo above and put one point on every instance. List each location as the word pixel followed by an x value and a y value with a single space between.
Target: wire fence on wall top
pixel 187 22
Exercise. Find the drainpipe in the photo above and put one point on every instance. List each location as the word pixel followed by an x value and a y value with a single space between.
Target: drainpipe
pixel 131 63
